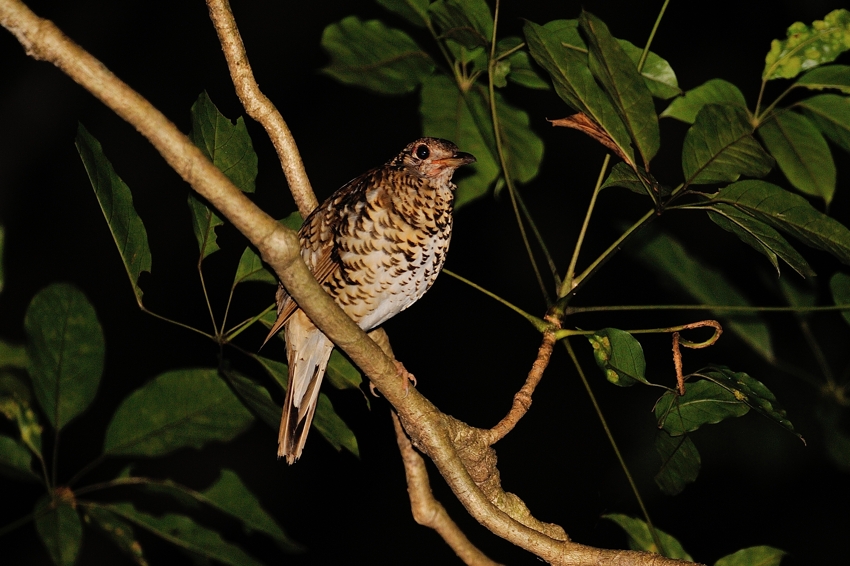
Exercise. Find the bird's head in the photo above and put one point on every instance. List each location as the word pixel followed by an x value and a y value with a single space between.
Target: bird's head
pixel 431 158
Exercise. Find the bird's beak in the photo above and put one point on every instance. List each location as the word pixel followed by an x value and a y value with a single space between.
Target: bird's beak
pixel 458 159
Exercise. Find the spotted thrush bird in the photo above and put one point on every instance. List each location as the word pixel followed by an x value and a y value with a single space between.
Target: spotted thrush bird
pixel 376 246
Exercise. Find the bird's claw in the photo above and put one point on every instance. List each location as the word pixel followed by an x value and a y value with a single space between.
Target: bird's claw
pixel 403 373
pixel 406 375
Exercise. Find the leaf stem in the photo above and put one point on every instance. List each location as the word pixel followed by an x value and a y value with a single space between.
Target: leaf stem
pixel 206 295
pixel 645 53
pixel 539 324
pixel 503 162
pixel 722 308
pixel 239 328
pixel 86 469
pixel 567 284
pixel 510 52
pixel 613 442
pixel 539 237
pixel 54 464
pixel 758 101
pixel 177 323
pixel 18 523
pixel 445 52
pixel 757 118
pixel 604 256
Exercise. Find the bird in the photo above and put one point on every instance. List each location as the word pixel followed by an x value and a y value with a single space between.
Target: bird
pixel 375 245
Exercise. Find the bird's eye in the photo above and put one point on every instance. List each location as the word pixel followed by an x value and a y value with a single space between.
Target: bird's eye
pixel 422 152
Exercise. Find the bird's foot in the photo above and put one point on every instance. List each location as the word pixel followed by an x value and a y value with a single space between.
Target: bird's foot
pixel 406 375
pixel 403 373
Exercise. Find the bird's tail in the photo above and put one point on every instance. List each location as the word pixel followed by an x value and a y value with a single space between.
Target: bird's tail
pixel 308 351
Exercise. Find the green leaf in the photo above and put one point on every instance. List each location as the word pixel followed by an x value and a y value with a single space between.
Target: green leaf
pixel 15 460
pixel 658 75
pixel 342 374
pixel 226 144
pixel 326 421
pixel 414 11
pixel 801 153
pixel 831 77
pixel 618 74
pixel 753 556
pixel 523 74
pixel 789 213
pixel 665 255
pixel 204 223
pixel 231 496
pixel 13 355
pixel 116 202
pixel 468 22
pixel 808 46
pixel 715 91
pixel 293 221
pixel 760 236
pixel 704 402
pixel 573 80
pixel 750 391
pixel 374 56
pixel 836 441
pixel 797 295
pixel 118 530
pixel 622 175
pixel 66 349
pixel 60 529
pixel 186 533
pixel 446 114
pixel 619 356
pixel 177 409
pixel 251 268
pixel 839 285
pixel 680 462
pixel 624 85
pixel 720 147
pixel 16 405
pixel 830 113
pixel 523 148
pixel 254 396
pixel 333 428
pixel 229 148
pixel 640 537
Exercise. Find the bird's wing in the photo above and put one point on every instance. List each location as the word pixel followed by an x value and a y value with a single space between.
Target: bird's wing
pixel 318 235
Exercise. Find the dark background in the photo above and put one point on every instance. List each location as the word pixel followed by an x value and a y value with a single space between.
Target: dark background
pixel 758 484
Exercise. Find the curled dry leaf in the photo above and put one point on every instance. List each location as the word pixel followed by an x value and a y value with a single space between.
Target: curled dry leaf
pixel 583 123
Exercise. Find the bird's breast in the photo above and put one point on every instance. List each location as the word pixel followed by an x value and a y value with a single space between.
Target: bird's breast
pixel 386 262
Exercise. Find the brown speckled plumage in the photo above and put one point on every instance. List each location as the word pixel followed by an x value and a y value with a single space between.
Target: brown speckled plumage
pixel 376 245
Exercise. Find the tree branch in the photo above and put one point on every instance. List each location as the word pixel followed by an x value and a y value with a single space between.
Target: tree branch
pixel 522 399
pixel 460 452
pixel 429 512
pixel 259 107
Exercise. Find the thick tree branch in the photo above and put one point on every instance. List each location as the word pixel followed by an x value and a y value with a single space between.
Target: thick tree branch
pixel 259 107
pixel 460 452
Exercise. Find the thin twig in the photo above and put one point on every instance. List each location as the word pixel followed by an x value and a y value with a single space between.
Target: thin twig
pixel 259 107
pixel 522 399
